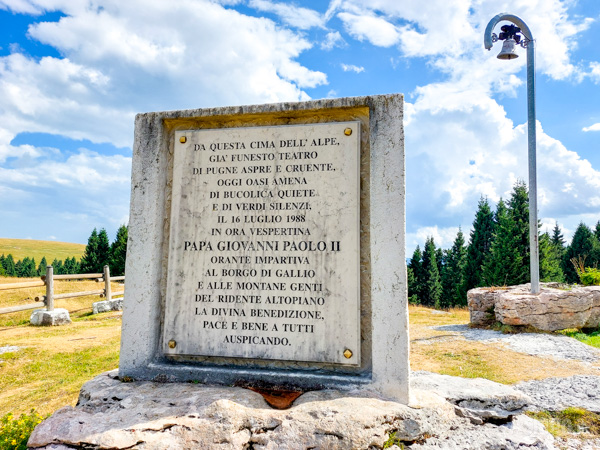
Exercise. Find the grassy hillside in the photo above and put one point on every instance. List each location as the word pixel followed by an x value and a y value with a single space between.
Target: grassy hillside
pixel 21 248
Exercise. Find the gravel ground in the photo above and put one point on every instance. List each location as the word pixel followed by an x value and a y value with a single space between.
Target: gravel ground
pixel 553 394
pixel 556 394
pixel 535 344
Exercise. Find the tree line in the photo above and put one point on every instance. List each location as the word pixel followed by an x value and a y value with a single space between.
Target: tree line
pixel 98 253
pixel 497 254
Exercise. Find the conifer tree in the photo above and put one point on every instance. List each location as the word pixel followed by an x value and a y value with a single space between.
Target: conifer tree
pixel 504 264
pixel 479 244
pixel 557 239
pixel 89 260
pixel 103 250
pixel 582 245
pixel 118 252
pixel 9 266
pixel 410 278
pixel 57 267
pixel 550 260
pixel 453 282
pixel 433 284
pixel 597 230
pixel 2 265
pixel 415 289
pixel 518 206
pixel 19 268
pixel 42 267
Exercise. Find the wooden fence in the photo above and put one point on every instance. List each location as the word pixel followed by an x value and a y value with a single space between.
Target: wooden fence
pixel 48 281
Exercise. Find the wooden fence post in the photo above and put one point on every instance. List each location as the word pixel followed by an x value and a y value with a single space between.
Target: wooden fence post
pixel 49 288
pixel 107 293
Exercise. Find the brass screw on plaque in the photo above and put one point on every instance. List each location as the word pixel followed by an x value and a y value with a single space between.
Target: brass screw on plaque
pixel 183 139
pixel 348 131
pixel 172 344
pixel 348 354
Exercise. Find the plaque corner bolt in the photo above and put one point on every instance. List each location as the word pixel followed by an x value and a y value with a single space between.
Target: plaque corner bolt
pixel 348 131
pixel 348 353
pixel 183 139
pixel 172 344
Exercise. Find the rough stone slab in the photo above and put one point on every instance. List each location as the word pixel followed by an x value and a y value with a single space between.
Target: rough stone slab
pixel 59 316
pixel 481 303
pixel 115 304
pixel 477 399
pixel 146 415
pixel 556 394
pixel 112 414
pixel 522 433
pixel 550 310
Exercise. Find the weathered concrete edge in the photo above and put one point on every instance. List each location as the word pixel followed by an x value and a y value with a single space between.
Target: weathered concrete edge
pixel 141 318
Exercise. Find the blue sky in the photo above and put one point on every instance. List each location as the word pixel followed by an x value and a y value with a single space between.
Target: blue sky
pixel 74 74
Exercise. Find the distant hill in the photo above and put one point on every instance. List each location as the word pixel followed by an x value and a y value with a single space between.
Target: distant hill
pixel 21 248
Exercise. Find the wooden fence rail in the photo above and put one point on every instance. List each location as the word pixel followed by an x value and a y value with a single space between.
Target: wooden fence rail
pixel 48 281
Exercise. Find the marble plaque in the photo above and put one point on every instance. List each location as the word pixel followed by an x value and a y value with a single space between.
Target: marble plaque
pixel 264 244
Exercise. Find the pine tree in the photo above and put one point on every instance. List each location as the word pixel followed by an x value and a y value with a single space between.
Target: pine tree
pixel 519 211
pixel 480 243
pixel 433 285
pixel 557 239
pixel 118 252
pixel 9 266
pixel 89 260
pixel 550 259
pixel 453 282
pixel 597 230
pixel 19 268
pixel 103 250
pixel 416 288
pixel 42 267
pixel 410 278
pixel 504 264
pixel 57 267
pixel 2 265
pixel 71 266
pixel 582 245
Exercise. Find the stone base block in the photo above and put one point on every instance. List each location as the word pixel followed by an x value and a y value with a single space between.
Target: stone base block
pixel 59 316
pixel 556 307
pixel 146 415
pixel 116 304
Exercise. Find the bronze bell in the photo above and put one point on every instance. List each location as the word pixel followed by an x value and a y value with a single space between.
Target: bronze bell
pixel 508 50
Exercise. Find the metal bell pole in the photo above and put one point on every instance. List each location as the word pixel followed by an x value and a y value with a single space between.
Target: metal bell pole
pixel 489 40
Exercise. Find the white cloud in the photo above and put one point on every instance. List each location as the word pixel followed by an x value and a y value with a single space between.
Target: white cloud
pixel 594 72
pixel 294 16
pixel 118 59
pixel 374 29
pixel 352 68
pixel 134 56
pixel 333 39
pixel 442 28
pixel 594 127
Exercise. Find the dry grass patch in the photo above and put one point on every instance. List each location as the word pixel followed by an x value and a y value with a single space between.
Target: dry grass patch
pixel 449 353
pixel 21 248
pixel 52 363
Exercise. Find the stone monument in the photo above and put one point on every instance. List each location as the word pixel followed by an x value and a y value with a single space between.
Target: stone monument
pixel 266 247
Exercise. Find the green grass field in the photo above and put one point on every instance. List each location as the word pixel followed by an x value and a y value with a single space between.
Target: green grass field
pixel 21 248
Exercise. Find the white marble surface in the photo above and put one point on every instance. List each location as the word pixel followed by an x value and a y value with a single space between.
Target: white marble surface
pixel 264 244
